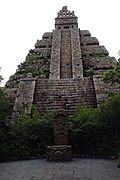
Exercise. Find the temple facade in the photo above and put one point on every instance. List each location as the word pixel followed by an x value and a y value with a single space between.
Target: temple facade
pixel 64 70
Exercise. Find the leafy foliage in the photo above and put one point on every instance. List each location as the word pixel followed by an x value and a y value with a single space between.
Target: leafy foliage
pixel 1 78
pixel 91 132
pixel 46 72
pixel 113 76
pixel 96 131
pixel 33 57
pixel 35 132
pixel 5 128
pixel 33 69
pixel 28 137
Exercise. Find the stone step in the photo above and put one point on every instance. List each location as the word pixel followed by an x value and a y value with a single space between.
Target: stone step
pixel 63 88
pixel 64 93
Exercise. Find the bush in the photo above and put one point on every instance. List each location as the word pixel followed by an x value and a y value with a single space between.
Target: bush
pixel 83 130
pixel 33 57
pixel 96 131
pixel 28 137
pixel 33 69
pixel 34 133
pixel 113 76
pixel 5 127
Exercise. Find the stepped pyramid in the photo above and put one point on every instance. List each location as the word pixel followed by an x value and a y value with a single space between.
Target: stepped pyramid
pixel 63 71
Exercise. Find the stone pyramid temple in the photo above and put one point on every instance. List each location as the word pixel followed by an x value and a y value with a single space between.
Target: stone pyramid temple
pixel 63 71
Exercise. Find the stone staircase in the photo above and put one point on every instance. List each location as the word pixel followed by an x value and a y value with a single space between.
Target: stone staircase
pixel 65 94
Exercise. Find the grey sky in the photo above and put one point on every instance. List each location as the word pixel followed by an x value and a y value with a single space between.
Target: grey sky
pixel 22 22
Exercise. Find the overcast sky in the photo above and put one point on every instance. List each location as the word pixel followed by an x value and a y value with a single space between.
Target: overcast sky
pixel 22 22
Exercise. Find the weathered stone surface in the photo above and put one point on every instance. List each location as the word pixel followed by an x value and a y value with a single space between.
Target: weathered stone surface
pixel 94 50
pixel 61 127
pixel 101 88
pixel 24 98
pixel 55 57
pixel 66 63
pixel 64 94
pixel 66 55
pixel 78 169
pixel 88 40
pixel 85 33
pixel 65 19
pixel 77 67
pixel 59 152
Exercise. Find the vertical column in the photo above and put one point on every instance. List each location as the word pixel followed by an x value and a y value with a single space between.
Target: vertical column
pixel 61 150
pixel 77 66
pixel 61 128
pixel 55 57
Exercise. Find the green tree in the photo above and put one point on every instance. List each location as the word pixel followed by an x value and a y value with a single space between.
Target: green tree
pixel 5 127
pixel 113 75
pixel 96 131
pixel 32 134
pixel 1 78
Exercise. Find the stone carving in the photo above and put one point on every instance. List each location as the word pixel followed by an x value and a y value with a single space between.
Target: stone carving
pixel 57 153
pixel 61 128
pixel 61 150
pixel 65 13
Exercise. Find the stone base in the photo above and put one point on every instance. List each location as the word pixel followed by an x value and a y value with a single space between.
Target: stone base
pixel 59 153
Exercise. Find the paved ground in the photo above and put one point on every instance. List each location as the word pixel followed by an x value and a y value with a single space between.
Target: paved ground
pixel 78 169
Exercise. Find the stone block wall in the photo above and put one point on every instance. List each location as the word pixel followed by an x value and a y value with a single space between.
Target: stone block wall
pixel 88 40
pixel 102 88
pixel 24 98
pixel 95 57
pixel 94 50
pixel 37 62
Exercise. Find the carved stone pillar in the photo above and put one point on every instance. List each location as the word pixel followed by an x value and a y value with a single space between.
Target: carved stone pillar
pixel 61 150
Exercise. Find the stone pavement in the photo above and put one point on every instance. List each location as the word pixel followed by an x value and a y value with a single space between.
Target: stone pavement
pixel 78 169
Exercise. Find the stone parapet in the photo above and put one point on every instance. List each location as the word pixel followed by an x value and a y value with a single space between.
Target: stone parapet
pixel 65 19
pixel 24 98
